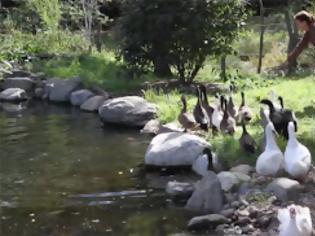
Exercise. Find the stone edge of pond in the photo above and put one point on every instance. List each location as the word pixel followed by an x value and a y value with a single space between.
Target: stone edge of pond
pixel 129 111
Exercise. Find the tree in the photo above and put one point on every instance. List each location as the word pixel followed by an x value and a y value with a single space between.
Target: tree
pixel 180 33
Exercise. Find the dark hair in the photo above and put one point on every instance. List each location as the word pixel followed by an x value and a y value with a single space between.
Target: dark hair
pixel 305 16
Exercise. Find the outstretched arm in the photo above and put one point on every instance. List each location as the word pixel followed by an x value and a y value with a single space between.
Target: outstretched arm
pixel 299 48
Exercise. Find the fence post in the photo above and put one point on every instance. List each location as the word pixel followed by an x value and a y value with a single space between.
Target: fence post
pixel 262 32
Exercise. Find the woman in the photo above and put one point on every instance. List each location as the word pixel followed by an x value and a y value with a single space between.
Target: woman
pixel 305 22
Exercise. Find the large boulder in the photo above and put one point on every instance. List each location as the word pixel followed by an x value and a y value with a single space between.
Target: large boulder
pixel 207 222
pixel 174 149
pixel 13 94
pixel 24 83
pixel 59 90
pixel 208 195
pixel 285 189
pixel 77 98
pixel 93 103
pixel 130 111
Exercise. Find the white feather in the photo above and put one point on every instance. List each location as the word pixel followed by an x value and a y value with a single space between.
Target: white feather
pixel 297 158
pixel 270 161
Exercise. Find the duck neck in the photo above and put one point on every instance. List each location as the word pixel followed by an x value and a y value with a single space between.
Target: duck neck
pixel 184 106
pixel 226 115
pixel 198 96
pixel 205 97
pixel 244 127
pixel 292 138
pixel 210 161
pixel 270 141
pixel 243 99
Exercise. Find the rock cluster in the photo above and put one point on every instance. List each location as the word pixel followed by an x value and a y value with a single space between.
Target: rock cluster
pixel 131 111
pixel 237 202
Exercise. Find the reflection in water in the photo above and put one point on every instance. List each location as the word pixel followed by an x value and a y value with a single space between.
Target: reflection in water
pixel 61 174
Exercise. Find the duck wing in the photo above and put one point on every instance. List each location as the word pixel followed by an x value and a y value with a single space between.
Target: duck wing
pixel 269 162
pixel 187 120
pixel 304 220
pixel 199 115
pixel 284 219
pixel 248 143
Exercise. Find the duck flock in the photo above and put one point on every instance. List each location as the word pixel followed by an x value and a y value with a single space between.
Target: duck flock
pixel 223 117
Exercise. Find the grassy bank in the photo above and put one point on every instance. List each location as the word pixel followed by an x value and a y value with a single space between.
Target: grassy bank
pixel 100 69
pixel 297 95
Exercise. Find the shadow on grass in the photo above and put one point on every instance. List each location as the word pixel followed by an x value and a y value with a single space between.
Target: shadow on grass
pixel 308 112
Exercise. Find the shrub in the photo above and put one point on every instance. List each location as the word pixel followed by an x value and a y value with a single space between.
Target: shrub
pixel 183 33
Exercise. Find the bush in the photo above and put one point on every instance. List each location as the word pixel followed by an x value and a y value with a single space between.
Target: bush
pixel 183 33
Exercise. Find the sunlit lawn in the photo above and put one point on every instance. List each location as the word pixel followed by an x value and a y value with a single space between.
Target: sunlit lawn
pixel 299 95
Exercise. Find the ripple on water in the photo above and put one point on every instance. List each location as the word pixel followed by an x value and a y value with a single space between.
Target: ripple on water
pixel 61 166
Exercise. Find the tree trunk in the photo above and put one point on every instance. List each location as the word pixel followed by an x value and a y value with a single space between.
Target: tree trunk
pixel 98 37
pixel 161 67
pixel 223 68
pixel 293 36
pixel 262 32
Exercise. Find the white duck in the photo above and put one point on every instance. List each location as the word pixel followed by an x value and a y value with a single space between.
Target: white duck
pixel 207 161
pixel 295 221
pixel 297 158
pixel 271 160
pixel 217 114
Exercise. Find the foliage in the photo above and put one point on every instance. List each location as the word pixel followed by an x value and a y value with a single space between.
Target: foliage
pixel 49 12
pixel 99 69
pixel 182 32
pixel 16 45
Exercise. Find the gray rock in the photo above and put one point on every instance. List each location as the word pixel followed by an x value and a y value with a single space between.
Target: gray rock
pixel 59 90
pixel 178 190
pixel 228 180
pixel 228 212
pixel 174 149
pixel 130 111
pixel 208 195
pixel 13 94
pixel 77 98
pixel 25 83
pixel 206 222
pixel 18 73
pixel 152 127
pixel 155 127
pixel 39 92
pixel 243 169
pixel 12 107
pixel 285 189
pixel 264 221
pixel 93 103
pixel 170 127
pixel 236 204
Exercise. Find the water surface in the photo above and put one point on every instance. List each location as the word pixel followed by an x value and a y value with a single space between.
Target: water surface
pixel 63 173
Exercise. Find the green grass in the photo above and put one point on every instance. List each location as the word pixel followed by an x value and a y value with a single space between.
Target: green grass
pixel 101 69
pixel 297 93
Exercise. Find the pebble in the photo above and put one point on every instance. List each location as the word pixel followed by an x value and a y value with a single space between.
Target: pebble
pixel 236 204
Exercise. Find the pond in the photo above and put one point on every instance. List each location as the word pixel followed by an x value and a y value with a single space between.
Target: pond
pixel 63 173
